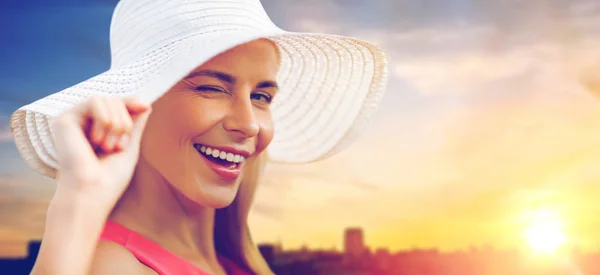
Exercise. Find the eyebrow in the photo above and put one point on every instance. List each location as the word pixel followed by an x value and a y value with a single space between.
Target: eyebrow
pixel 267 84
pixel 230 79
pixel 227 78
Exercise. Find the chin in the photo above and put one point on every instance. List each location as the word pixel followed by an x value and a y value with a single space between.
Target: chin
pixel 216 202
pixel 219 204
pixel 215 195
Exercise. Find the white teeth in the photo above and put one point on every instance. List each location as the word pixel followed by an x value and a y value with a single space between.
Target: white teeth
pixel 215 153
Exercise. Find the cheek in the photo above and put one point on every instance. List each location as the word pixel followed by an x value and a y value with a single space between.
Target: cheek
pixel 188 118
pixel 162 130
pixel 159 141
pixel 265 135
pixel 168 127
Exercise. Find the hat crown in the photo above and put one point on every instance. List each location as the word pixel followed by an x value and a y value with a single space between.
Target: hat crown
pixel 140 26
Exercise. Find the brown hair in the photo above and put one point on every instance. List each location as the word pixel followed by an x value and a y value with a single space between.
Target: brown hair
pixel 232 234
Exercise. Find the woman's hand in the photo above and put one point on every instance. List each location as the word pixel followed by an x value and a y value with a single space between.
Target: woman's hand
pixel 97 145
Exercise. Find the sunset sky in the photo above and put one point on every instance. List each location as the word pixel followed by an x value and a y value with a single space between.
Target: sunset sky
pixel 491 117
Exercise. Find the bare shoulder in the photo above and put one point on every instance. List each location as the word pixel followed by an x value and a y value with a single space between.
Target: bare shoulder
pixel 112 258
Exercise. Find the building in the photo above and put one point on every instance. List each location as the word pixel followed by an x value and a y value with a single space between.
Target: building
pixel 268 252
pixel 21 265
pixel 354 244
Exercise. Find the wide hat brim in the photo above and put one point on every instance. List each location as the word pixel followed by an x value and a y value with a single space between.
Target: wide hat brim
pixel 329 87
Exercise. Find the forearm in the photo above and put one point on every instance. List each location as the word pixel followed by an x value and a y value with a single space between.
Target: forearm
pixel 73 226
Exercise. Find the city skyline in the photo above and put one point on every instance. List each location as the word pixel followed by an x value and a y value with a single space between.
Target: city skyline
pixel 491 117
pixel 354 244
pixel 486 261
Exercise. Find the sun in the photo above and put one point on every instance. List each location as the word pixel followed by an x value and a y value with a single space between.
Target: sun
pixel 545 234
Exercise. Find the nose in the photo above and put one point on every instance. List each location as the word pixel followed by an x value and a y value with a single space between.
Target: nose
pixel 241 119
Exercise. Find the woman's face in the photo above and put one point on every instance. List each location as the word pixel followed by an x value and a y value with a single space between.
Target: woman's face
pixel 200 132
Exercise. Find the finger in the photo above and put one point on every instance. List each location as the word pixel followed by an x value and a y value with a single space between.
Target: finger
pixel 140 113
pixel 135 106
pixel 132 148
pixel 123 141
pixel 101 120
pixel 117 128
pixel 140 122
pixel 127 123
pixel 126 119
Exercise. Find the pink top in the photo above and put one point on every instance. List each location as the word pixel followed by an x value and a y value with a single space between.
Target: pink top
pixel 155 256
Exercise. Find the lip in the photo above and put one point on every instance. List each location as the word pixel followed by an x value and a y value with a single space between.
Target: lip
pixel 228 174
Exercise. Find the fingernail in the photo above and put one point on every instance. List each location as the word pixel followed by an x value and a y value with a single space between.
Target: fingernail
pixel 111 142
pixel 140 102
pixel 123 141
pixel 97 134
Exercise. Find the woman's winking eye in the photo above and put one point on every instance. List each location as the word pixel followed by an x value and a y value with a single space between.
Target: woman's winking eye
pixel 206 88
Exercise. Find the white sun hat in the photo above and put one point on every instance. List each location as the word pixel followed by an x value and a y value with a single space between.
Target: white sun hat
pixel 329 85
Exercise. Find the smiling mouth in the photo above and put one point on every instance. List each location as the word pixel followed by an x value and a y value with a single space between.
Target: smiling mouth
pixel 221 158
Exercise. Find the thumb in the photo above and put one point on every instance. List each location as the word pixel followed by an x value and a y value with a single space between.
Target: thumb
pixel 139 121
pixel 135 106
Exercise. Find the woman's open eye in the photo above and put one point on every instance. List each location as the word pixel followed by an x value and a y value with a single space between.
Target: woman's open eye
pixel 262 97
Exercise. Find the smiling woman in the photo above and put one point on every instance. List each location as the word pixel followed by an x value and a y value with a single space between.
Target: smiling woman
pixel 219 106
pixel 159 157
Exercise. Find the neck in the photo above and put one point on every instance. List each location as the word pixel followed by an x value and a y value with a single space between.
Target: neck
pixel 152 207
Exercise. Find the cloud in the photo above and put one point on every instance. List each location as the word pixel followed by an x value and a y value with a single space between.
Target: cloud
pixel 314 26
pixel 465 46
pixel 525 145
pixel 545 17
pixel 462 73
pixel 469 47
pixel 471 61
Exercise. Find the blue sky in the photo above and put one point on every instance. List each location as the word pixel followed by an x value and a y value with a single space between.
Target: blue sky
pixel 489 113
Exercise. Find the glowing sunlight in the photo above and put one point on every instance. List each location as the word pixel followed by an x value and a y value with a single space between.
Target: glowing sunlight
pixel 544 233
